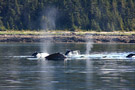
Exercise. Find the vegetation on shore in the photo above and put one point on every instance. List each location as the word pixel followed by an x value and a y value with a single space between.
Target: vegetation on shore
pixel 97 15
pixel 66 36
pixel 59 32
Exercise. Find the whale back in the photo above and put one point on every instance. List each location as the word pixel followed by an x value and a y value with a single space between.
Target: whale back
pixel 130 55
pixel 55 56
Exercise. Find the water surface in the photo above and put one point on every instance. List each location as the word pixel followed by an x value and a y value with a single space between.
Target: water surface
pixel 18 73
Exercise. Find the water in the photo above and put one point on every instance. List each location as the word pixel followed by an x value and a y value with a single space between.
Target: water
pixel 17 73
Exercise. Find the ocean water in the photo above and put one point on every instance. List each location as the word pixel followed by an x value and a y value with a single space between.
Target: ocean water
pixel 18 73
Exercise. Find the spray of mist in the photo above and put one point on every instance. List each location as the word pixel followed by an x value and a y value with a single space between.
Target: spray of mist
pixel 89 43
pixel 48 20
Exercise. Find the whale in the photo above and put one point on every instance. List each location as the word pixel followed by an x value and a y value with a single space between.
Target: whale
pixel 56 57
pixel 53 56
pixel 130 55
pixel 39 55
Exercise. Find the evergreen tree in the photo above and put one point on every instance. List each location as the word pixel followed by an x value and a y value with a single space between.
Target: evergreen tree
pixel 98 15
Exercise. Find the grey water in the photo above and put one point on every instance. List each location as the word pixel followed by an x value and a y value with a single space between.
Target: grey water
pixel 18 73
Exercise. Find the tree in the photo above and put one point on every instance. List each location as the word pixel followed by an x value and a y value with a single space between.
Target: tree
pixel 99 15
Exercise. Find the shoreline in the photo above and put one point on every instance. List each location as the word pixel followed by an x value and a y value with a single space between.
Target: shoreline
pixel 68 38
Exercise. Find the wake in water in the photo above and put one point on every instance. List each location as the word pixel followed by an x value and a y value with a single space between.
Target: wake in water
pixel 103 56
pixel 75 55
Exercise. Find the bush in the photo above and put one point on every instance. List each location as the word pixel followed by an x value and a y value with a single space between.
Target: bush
pixel 2 28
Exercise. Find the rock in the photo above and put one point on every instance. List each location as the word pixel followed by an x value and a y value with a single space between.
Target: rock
pixel 132 41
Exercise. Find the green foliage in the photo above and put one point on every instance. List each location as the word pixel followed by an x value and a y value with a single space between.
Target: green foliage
pixel 98 15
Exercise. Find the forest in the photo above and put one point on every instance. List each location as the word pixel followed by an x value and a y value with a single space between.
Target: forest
pixel 89 15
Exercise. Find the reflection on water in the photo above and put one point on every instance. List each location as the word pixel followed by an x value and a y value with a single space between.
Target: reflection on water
pixel 46 75
pixel 89 73
pixel 21 74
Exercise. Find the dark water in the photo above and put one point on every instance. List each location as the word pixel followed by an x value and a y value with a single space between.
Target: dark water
pixel 17 73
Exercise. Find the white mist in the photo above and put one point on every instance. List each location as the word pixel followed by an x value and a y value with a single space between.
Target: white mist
pixel 89 43
pixel 48 20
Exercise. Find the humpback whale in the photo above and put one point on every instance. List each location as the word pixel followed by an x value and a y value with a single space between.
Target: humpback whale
pixel 40 55
pixel 56 56
pixel 130 55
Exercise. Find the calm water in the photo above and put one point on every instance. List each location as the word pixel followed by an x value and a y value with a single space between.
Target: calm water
pixel 17 73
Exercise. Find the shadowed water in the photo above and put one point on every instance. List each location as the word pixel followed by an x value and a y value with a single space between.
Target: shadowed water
pixel 18 73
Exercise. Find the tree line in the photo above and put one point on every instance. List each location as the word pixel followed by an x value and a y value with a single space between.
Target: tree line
pixel 97 15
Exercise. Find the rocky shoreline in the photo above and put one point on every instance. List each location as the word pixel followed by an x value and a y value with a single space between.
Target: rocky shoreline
pixel 95 38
